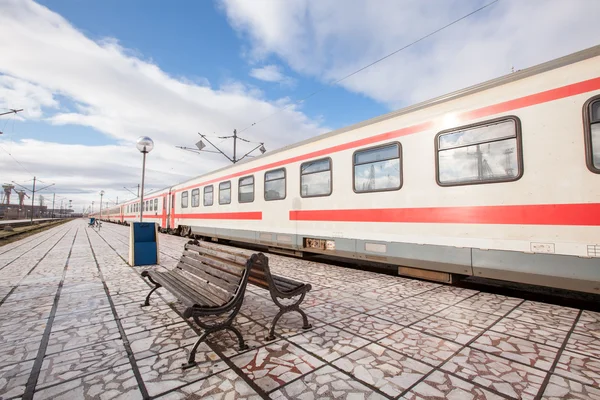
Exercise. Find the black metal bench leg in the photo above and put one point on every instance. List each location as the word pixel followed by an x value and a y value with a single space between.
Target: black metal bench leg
pixel 304 319
pixel 273 324
pixel 192 359
pixel 243 346
pixel 147 302
pixel 157 285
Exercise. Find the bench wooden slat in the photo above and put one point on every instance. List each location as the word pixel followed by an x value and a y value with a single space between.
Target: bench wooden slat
pixel 210 269
pixel 202 274
pixel 227 267
pixel 206 289
pixel 187 295
pixel 237 258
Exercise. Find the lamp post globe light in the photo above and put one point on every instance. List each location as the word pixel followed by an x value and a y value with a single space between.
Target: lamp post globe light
pixel 101 194
pixel 144 145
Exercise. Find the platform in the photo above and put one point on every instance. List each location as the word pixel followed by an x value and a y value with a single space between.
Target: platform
pixel 71 328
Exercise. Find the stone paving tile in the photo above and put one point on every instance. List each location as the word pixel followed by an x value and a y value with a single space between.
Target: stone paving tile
pixel 225 385
pixel 46 295
pixel 114 383
pixel 589 324
pixel 579 367
pixel 385 369
pixel 362 305
pixel 421 346
pixel 560 388
pixel 160 340
pixel 21 332
pixel 440 385
pixel 95 288
pixel 420 305
pixel 68 339
pixel 73 304
pixel 71 364
pixel 326 383
pixel 276 364
pixel 163 372
pixel 545 314
pixel 368 326
pixel 508 377
pixel 19 351
pixel 13 379
pixel 16 316
pixel 584 344
pixel 386 294
pixel 398 315
pixel 82 318
pixel 517 349
pixel 317 297
pixel 447 295
pixel 153 318
pixel 447 329
pixel 132 309
pixel 490 303
pixel 329 313
pixel 329 342
pixel 469 317
pixel 531 331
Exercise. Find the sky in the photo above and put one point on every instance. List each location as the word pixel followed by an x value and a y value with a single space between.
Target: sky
pixel 93 76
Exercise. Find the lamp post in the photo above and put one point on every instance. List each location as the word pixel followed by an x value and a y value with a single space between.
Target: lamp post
pixel 101 194
pixel 144 145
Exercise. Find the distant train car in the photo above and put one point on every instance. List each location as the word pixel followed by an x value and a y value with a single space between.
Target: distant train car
pixel 499 180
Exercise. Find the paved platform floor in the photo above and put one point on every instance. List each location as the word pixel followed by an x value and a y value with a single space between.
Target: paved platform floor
pixel 71 328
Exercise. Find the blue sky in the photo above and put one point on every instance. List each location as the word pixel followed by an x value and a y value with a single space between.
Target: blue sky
pixel 193 40
pixel 93 76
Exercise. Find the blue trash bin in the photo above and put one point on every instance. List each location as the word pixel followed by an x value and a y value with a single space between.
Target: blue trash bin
pixel 143 244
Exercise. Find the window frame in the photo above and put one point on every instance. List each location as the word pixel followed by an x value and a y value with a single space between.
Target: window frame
pixel 156 204
pixel 187 199
pixel 212 202
pixel 221 183
pixel 587 131
pixel 400 156
pixel 518 138
pixel 284 186
pixel 192 196
pixel 253 189
pixel 310 173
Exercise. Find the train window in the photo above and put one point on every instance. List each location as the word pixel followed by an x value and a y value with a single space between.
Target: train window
pixel 377 169
pixel 486 152
pixel 592 134
pixel 208 195
pixel 155 204
pixel 246 189
pixel 225 192
pixel 275 184
pixel 184 199
pixel 146 205
pixel 315 178
pixel 196 198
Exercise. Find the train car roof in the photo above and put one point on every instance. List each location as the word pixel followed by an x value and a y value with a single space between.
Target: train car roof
pixel 512 77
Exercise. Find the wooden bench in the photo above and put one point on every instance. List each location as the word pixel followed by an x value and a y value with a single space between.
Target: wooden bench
pixel 210 284
pixel 279 287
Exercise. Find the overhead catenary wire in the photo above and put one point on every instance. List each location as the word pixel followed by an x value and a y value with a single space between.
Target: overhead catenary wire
pixel 370 65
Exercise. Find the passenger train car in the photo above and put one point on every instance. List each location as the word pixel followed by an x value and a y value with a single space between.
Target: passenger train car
pixel 499 180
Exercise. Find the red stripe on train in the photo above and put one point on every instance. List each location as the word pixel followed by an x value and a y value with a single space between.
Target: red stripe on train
pixel 521 102
pixel 535 214
pixel 252 215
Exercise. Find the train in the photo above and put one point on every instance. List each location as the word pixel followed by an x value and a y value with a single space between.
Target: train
pixel 500 180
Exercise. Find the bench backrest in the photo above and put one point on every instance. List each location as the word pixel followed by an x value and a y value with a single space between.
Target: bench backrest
pixel 230 262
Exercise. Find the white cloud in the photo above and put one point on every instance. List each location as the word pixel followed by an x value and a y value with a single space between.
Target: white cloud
pixel 328 41
pixel 44 58
pixel 271 73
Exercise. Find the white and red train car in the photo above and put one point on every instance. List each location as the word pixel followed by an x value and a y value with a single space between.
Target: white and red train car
pixel 499 180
